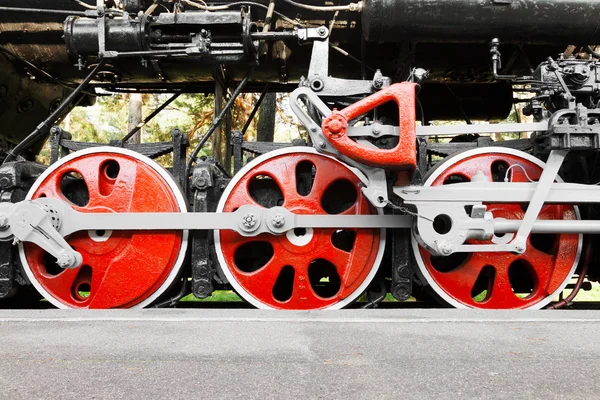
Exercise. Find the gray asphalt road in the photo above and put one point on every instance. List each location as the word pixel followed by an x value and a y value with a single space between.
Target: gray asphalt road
pixel 399 354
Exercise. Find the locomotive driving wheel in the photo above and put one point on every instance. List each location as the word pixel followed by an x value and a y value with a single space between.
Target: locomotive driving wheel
pixel 120 269
pixel 501 280
pixel 305 269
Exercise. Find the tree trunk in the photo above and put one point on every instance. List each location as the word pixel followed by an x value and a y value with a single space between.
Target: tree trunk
pixel 266 118
pixel 217 137
pixel 135 116
pixel 227 139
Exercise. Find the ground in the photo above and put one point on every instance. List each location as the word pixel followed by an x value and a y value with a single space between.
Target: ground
pixel 408 354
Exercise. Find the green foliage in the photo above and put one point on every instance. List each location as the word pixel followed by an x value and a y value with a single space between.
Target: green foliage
pixel 108 120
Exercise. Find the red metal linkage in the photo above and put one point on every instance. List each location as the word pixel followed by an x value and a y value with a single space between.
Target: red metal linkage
pixel 401 157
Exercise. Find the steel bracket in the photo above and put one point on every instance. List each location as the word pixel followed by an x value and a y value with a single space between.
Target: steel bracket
pixel 376 190
pixel 320 81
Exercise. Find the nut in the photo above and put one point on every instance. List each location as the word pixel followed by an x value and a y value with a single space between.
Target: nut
pixel 520 247
pixel 445 249
pixel 66 260
pixel 249 220
pixel 336 125
pixel 278 221
pixel 378 82
pixel 3 222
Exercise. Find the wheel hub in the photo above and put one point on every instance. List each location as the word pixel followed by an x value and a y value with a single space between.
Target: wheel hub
pixel 300 237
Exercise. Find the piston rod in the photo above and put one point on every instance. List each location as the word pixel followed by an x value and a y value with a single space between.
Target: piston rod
pixel 549 226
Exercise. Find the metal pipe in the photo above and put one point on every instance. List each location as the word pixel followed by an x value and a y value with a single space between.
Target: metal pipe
pixel 43 11
pixel 499 192
pixel 584 268
pixel 549 226
pixel 481 128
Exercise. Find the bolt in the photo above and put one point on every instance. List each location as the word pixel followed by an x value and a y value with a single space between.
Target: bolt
pixel 336 124
pixel 321 144
pixel 376 129
pixel 445 249
pixel 4 222
pixel 249 220
pixel 66 260
pixel 401 294
pixel 23 218
pixel 322 31
pixel 378 82
pixel 404 273
pixel 278 221
pixel 4 182
pixel 55 130
pixel 26 105
pixel 520 246
pixel 201 183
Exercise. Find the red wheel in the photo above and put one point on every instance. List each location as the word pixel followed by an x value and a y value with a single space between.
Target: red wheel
pixel 120 269
pixel 502 280
pixel 306 269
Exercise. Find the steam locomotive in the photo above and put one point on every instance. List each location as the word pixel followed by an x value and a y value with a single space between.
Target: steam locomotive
pixel 381 199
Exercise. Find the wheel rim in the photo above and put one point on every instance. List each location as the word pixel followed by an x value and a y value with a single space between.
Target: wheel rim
pixel 502 280
pixel 311 269
pixel 120 269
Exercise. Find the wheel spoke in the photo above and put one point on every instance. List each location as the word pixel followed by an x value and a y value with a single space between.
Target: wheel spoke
pixel 323 180
pixel 260 283
pixel 283 175
pixel 62 283
pixel 341 259
pixel 240 197
pixel 303 296
pixel 461 280
pixel 502 294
